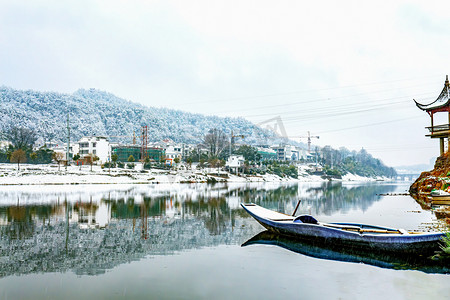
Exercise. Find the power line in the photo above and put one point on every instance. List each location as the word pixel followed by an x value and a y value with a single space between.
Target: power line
pixel 321 100
pixel 337 109
pixel 368 125
pixel 395 149
pixel 307 91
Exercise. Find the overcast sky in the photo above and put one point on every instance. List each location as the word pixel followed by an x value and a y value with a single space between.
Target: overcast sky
pixel 346 71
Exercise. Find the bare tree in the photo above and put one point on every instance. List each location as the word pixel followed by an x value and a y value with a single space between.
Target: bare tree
pixel 216 141
pixel 18 156
pixel 91 158
pixel 58 157
pixel 21 138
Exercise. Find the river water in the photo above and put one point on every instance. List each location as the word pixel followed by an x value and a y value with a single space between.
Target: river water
pixel 194 241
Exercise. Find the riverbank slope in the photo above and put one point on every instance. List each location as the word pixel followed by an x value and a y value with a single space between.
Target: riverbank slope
pixel 438 178
pixel 30 174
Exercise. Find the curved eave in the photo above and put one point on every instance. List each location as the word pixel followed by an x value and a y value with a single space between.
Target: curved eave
pixel 442 101
pixel 430 106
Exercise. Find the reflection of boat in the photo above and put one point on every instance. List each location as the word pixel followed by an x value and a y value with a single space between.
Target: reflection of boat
pixel 374 237
pixel 332 251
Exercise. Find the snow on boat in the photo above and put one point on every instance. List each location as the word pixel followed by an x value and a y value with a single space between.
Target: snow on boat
pixel 375 237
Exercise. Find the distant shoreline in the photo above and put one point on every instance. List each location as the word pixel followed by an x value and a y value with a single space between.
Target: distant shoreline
pixel 30 174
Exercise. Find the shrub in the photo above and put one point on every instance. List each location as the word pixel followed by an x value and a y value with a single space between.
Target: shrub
pixel 108 165
pixel 446 243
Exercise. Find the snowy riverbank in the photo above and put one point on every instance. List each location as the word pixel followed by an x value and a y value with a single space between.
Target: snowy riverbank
pixel 51 174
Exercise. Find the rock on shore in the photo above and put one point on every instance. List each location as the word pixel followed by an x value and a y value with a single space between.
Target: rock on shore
pixel 438 178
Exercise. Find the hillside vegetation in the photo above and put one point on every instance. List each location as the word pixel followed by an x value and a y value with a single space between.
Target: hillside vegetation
pixel 94 112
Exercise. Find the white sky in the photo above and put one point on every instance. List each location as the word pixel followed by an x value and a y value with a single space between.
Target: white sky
pixel 344 70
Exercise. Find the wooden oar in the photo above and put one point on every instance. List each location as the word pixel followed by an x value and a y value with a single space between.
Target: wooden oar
pixel 295 210
pixel 359 229
pixel 379 231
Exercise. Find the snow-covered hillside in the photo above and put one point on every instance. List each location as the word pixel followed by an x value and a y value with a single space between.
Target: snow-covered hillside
pixel 94 112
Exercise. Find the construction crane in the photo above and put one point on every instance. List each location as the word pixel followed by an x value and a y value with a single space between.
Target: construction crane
pixel 309 137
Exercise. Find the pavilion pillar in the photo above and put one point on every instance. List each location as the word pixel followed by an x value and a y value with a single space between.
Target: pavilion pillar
pixel 432 123
pixel 441 140
pixel 448 128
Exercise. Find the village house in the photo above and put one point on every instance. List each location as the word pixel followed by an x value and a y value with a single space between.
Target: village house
pixel 287 152
pixel 172 150
pixel 234 162
pixel 95 146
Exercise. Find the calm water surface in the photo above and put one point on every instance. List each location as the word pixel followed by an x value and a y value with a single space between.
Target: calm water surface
pixel 195 242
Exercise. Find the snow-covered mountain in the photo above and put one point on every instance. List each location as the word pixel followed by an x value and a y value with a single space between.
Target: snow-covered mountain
pixel 94 112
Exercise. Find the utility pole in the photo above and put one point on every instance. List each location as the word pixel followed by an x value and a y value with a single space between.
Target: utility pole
pixel 68 141
pixel 316 157
pixel 144 146
pixel 231 139
pixel 182 152
pixel 332 158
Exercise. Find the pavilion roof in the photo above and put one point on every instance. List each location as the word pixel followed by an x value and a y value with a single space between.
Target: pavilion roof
pixel 442 101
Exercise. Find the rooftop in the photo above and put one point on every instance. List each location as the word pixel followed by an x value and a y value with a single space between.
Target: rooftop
pixel 442 101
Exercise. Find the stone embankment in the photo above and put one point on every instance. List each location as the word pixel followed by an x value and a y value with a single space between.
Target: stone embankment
pixel 438 178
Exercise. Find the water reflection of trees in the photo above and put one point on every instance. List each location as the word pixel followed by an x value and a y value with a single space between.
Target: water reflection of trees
pixel 214 212
pixel 20 221
pixel 212 206
pixel 47 236
pixel 326 198
pixel 336 197
pixel 261 195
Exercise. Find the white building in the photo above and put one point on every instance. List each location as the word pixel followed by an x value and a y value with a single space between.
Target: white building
pixel 95 145
pixel 174 151
pixel 286 152
pixel 4 144
pixel 235 162
pixel 171 149
pixel 62 148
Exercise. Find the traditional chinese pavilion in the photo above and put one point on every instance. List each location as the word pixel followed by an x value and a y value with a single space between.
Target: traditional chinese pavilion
pixel 441 104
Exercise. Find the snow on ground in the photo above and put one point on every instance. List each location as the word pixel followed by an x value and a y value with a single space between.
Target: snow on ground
pixel 53 175
pixel 353 177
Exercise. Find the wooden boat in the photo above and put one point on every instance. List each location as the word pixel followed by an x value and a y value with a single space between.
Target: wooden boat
pixel 440 201
pixel 439 197
pixel 374 237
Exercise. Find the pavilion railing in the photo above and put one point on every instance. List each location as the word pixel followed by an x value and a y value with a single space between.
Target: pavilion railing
pixel 438 128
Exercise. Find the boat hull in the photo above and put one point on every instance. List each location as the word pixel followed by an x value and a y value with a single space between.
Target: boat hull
pixel 425 242
pixel 440 200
